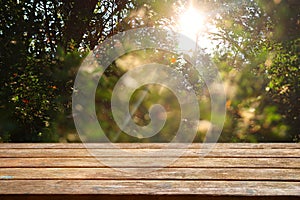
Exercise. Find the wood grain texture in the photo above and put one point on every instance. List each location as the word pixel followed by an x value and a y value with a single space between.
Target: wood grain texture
pixel 179 163
pixel 110 153
pixel 250 188
pixel 159 174
pixel 236 170
pixel 148 145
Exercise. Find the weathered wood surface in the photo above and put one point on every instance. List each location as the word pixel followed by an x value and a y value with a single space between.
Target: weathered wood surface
pixel 244 170
pixel 110 153
pixel 148 145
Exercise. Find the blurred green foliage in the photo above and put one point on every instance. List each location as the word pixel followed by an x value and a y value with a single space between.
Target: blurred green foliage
pixel 42 44
pixel 259 54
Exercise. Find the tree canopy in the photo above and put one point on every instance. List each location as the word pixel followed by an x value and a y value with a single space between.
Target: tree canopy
pixel 255 46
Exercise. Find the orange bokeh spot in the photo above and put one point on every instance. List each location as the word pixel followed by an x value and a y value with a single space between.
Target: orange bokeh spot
pixel 26 101
pixel 228 104
pixel 173 60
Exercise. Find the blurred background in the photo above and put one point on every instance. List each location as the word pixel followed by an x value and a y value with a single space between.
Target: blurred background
pixel 255 45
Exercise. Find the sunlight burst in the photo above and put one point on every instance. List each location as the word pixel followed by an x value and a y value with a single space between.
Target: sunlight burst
pixel 192 22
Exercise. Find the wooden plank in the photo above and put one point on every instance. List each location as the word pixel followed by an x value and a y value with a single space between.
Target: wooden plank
pixel 142 197
pixel 148 145
pixel 156 174
pixel 137 162
pixel 149 187
pixel 225 153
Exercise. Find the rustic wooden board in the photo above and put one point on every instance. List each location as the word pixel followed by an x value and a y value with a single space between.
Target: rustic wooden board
pixel 140 197
pixel 159 174
pixel 179 163
pixel 250 188
pixel 148 145
pixel 236 170
pixel 223 153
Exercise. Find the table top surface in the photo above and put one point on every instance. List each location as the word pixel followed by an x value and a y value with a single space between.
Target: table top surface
pixel 270 169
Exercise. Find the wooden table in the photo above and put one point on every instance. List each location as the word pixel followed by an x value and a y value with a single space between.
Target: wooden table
pixel 229 171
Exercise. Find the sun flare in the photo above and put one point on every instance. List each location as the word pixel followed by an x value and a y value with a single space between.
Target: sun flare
pixel 192 22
